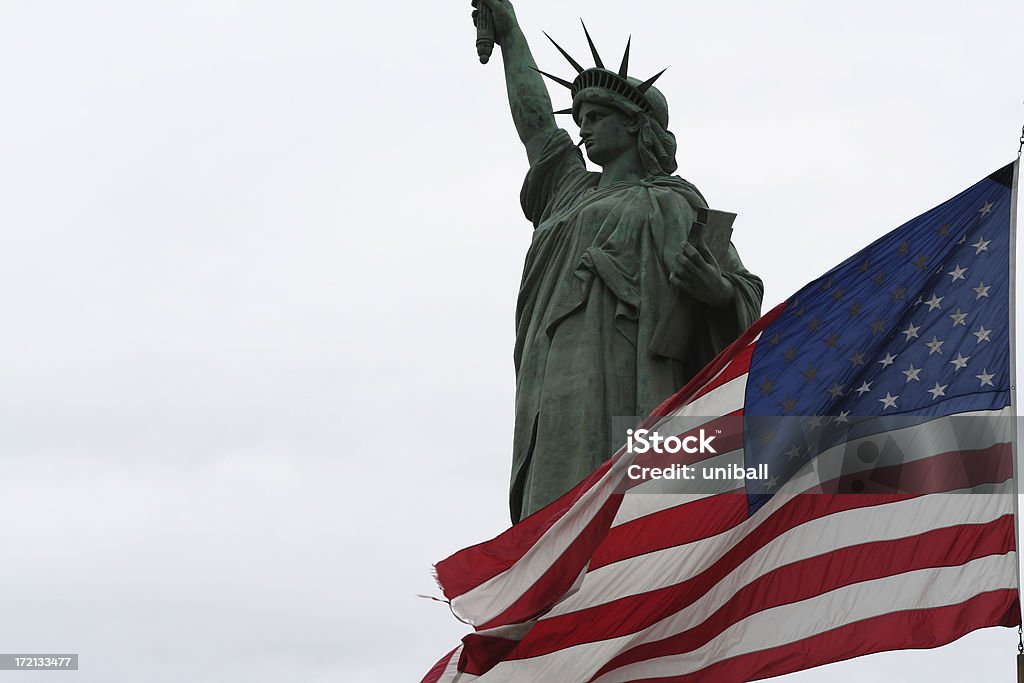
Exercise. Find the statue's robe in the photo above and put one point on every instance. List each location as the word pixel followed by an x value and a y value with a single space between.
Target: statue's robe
pixel 600 332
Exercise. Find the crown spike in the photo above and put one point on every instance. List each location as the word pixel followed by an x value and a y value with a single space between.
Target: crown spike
pixel 563 111
pixel 625 59
pixel 646 85
pixel 593 50
pixel 556 79
pixel 575 64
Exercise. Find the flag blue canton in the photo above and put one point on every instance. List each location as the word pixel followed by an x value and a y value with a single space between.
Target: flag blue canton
pixel 916 324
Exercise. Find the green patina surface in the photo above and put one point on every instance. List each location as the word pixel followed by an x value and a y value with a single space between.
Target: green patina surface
pixel 616 310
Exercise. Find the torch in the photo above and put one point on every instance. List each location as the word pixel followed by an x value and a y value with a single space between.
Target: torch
pixel 484 32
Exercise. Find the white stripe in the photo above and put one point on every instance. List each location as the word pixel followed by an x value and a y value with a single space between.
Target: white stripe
pixel 664 568
pixel 720 401
pixel 638 505
pixel 778 626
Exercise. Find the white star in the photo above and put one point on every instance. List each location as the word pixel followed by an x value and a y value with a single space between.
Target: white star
pixel 959 317
pixel 912 373
pixel 981 245
pixel 960 361
pixel 836 390
pixel 918 301
pixel 889 401
pixel 888 360
pixel 981 290
pixel 933 303
pixel 937 391
pixel 982 334
pixel 793 452
pixel 986 210
pixel 843 416
pixel 957 273
pixel 985 378
pixel 772 483
pixel 962 239
pixel 911 331
pixel 864 388
pixel 935 345
pixel 814 421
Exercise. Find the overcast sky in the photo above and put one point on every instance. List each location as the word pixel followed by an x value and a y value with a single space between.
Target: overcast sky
pixel 258 270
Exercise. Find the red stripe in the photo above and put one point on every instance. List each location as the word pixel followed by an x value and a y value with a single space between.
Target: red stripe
pixel 674 526
pixel 472 566
pixel 434 675
pixel 814 576
pixel 481 653
pixel 943 472
pixel 910 629
pixel 635 612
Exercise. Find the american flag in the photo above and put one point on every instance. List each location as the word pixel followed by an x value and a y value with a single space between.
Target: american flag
pixel 879 397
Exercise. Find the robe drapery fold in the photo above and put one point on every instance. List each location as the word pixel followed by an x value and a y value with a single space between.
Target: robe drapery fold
pixel 600 332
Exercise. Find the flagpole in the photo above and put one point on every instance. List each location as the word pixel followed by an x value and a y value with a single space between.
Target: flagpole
pixel 1013 389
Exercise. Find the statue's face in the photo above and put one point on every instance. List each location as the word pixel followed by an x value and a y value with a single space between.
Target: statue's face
pixel 607 133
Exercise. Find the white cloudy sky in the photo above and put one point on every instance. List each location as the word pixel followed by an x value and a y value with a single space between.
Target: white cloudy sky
pixel 258 268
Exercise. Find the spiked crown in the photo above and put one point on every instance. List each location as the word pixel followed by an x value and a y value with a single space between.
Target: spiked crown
pixel 640 94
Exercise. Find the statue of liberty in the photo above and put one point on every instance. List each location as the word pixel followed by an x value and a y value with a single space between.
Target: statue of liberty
pixel 616 310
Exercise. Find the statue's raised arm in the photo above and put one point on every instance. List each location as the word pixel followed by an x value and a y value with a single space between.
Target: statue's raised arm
pixel 527 96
